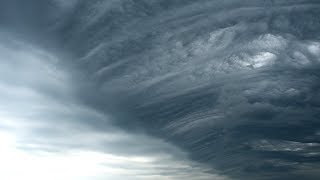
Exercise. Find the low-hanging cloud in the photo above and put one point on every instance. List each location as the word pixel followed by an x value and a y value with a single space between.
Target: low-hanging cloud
pixel 232 84
pixel 45 132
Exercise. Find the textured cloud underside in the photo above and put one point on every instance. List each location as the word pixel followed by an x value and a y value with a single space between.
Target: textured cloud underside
pixel 227 89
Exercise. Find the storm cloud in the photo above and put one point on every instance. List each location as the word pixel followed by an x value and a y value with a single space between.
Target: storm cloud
pixel 161 89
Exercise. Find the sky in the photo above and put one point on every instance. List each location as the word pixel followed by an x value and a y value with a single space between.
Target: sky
pixel 46 134
pixel 159 89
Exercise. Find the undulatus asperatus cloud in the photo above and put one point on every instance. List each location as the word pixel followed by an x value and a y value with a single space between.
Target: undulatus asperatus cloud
pixel 159 89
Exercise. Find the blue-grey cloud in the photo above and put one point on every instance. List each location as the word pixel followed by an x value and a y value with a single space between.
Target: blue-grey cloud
pixel 46 133
pixel 232 84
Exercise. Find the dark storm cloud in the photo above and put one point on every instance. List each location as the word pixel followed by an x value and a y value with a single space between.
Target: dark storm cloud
pixel 235 84
pixel 212 77
pixel 43 123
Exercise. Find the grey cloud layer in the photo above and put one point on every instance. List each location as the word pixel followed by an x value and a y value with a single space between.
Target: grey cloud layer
pixel 235 84
pixel 212 77
pixel 48 124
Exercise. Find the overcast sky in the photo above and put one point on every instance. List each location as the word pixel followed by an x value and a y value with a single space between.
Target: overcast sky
pixel 159 89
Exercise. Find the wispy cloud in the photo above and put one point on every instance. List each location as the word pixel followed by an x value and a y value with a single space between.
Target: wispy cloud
pixel 45 133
